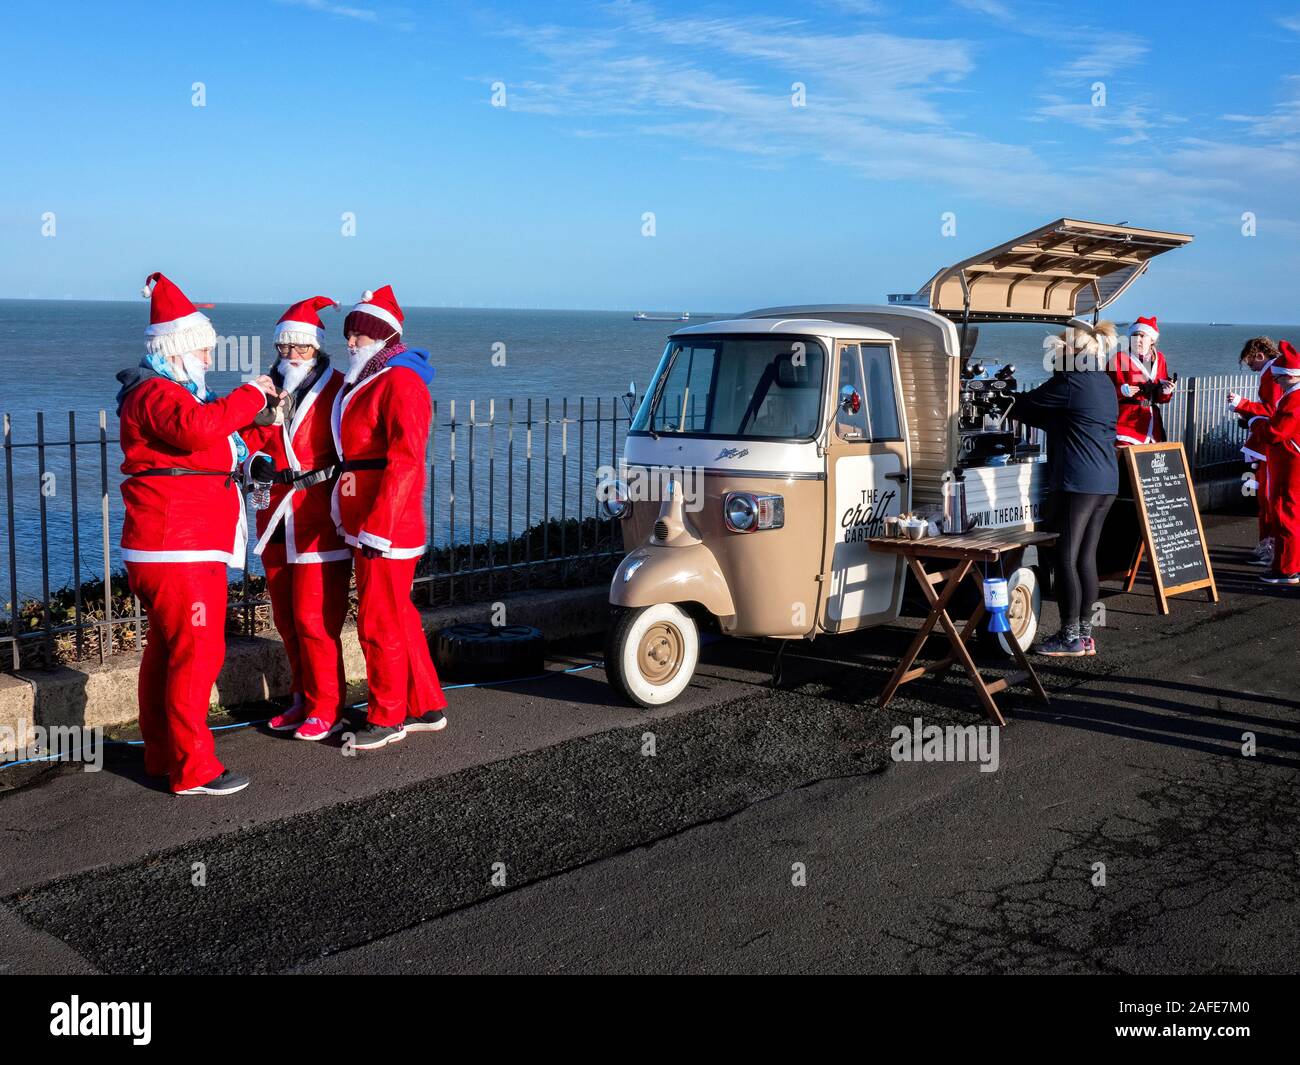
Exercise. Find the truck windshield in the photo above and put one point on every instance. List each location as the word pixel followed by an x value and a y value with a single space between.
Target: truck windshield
pixel 736 387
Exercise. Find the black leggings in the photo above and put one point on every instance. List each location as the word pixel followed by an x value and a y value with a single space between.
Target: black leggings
pixel 1078 519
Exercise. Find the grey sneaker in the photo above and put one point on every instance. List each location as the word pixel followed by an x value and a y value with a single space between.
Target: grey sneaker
pixel 370 737
pixel 1059 646
pixel 226 784
pixel 430 721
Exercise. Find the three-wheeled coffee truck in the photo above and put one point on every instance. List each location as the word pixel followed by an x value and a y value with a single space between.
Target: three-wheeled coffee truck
pixel 770 447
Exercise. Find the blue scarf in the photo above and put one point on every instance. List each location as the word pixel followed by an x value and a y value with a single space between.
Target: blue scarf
pixel 161 366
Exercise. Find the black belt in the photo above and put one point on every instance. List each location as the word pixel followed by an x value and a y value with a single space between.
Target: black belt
pixel 302 479
pixel 231 476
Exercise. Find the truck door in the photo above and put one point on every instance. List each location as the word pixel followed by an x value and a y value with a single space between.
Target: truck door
pixel 867 467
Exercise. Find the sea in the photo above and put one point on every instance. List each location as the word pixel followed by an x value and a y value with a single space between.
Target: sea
pixel 58 357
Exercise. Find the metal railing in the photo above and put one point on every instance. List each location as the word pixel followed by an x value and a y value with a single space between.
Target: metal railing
pixel 510 503
pixel 1199 416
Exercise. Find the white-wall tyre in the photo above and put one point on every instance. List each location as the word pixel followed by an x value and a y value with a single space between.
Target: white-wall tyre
pixel 1026 604
pixel 651 653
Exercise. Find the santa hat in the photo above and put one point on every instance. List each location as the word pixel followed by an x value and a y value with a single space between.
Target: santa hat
pixel 301 323
pixel 1287 363
pixel 377 315
pixel 1147 326
pixel 175 327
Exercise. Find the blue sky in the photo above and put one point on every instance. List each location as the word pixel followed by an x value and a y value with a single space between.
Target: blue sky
pixel 314 108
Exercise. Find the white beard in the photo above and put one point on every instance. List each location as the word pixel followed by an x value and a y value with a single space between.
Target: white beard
pixel 195 371
pixel 295 373
pixel 358 357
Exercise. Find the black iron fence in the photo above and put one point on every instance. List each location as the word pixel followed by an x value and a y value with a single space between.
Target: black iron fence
pixel 510 504
pixel 510 501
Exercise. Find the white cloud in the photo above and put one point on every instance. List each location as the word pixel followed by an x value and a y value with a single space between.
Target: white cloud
pixel 1282 121
pixel 1104 58
pixel 361 14
pixel 883 105
pixel 991 8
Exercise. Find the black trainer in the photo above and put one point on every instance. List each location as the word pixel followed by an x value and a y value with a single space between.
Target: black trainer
pixel 226 784
pixel 1281 578
pixel 430 721
pixel 370 737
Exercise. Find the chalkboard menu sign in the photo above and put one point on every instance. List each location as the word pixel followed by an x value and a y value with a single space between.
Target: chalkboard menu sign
pixel 1172 535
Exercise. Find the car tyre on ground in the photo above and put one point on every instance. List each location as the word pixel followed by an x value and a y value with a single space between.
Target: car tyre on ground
pixel 479 651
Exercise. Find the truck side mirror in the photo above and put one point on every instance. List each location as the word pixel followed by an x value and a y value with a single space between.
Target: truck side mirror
pixel 850 400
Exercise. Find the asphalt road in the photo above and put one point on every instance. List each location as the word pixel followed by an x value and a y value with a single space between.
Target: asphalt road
pixel 769 830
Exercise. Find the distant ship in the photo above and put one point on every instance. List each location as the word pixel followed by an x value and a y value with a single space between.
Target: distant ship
pixel 641 316
pixel 205 306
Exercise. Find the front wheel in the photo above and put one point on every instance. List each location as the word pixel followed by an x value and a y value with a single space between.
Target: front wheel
pixel 651 653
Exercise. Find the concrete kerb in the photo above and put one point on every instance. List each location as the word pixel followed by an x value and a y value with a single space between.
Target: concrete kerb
pixel 94 695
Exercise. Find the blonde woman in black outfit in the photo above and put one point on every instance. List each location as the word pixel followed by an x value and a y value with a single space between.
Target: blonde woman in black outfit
pixel 1077 409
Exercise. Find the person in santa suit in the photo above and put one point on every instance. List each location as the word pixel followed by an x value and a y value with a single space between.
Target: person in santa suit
pixel 381 425
pixel 184 525
pixel 1142 386
pixel 1258 355
pixel 1282 436
pixel 308 564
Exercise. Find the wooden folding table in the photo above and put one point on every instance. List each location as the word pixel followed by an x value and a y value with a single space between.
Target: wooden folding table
pixel 969 554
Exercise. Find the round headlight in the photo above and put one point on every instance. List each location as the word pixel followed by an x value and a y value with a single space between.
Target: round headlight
pixel 613 500
pixel 740 512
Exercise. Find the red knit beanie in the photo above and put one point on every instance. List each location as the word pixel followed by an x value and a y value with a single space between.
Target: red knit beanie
pixel 377 315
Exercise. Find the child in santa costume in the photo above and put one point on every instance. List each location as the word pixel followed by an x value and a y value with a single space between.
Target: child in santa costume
pixel 1142 386
pixel 1258 355
pixel 381 425
pixel 184 525
pixel 308 564
pixel 1282 435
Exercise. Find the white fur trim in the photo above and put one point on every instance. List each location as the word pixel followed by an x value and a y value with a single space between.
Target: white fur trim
pixel 1281 371
pixel 367 296
pixel 378 312
pixel 192 332
pixel 1253 455
pixel 291 332
pixel 1142 327
pixel 393 552
pixel 130 554
pixel 379 543
pixel 185 321
pixel 306 559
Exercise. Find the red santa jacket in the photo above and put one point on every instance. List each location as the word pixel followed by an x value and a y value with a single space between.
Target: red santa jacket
pixel 1140 421
pixel 306 442
pixel 1283 428
pixel 384 420
pixel 185 518
pixel 1257 412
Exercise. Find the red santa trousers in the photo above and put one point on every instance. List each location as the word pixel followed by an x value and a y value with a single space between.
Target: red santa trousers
pixel 309 601
pixel 186 606
pixel 1284 506
pixel 399 670
pixel 1265 504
